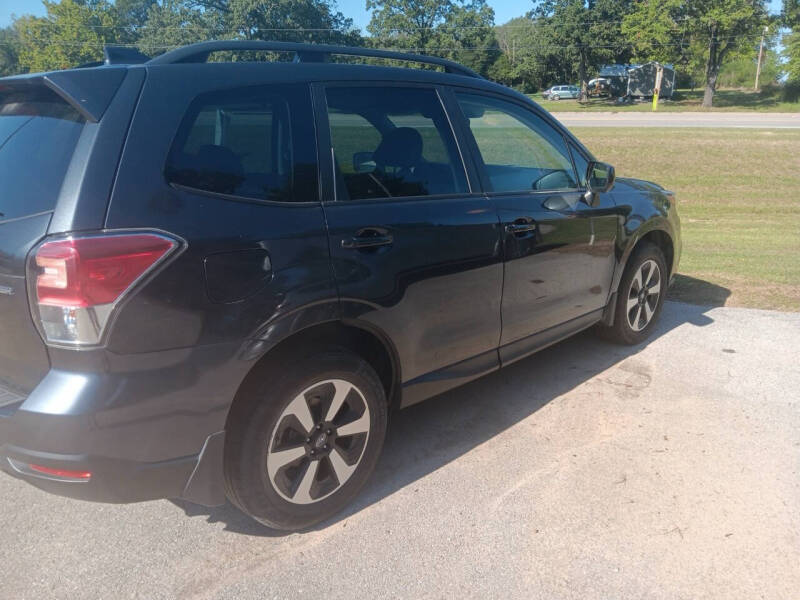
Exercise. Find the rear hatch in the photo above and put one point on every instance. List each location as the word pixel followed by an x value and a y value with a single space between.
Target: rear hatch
pixel 39 132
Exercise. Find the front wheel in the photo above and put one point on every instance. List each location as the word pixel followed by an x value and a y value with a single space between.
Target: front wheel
pixel 640 297
pixel 300 445
pixel 556 97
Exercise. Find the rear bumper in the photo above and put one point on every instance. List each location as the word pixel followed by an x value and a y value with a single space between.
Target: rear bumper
pixel 153 428
pixel 196 477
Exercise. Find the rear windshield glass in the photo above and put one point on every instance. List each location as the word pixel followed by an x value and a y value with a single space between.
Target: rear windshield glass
pixel 38 135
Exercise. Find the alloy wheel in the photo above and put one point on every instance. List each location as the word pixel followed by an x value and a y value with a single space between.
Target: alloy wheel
pixel 318 441
pixel 643 295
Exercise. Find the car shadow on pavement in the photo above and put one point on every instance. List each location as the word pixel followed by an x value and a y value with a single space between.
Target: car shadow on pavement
pixel 697 291
pixel 429 435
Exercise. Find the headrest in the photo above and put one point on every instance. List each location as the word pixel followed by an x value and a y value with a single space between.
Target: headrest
pixel 218 158
pixel 400 147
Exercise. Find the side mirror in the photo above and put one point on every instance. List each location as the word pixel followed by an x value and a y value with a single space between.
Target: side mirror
pixel 599 180
pixel 600 177
pixel 363 162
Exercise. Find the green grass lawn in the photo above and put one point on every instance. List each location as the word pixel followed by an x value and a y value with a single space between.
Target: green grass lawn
pixel 685 100
pixel 738 195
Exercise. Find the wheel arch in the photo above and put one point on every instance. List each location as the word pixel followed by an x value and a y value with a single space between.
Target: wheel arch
pixel 653 233
pixel 356 336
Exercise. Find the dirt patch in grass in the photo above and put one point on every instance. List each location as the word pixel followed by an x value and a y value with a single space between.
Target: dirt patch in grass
pixel 739 200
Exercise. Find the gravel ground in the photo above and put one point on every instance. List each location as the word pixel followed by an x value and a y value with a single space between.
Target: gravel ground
pixel 587 471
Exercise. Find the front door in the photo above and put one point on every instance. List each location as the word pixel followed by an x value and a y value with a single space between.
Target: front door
pixel 559 251
pixel 415 251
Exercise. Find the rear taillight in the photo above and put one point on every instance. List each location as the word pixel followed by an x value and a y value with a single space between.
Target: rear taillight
pixel 80 280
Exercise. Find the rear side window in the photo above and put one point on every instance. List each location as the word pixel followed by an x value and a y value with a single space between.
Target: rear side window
pixel 38 135
pixel 254 143
pixel 392 142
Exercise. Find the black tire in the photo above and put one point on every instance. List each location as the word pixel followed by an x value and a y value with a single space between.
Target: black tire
pixel 556 97
pixel 622 331
pixel 253 431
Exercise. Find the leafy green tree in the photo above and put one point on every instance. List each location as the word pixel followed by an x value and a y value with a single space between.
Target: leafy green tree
pixel 458 29
pixel 174 23
pixel 282 20
pixel 741 72
pixel 132 15
pixel 9 61
pixel 662 29
pixel 585 32
pixel 467 36
pixel 71 33
pixel 790 17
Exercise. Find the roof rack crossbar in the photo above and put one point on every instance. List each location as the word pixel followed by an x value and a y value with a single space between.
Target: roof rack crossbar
pixel 303 53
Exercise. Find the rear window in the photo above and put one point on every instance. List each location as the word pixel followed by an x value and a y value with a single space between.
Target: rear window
pixel 254 143
pixel 38 135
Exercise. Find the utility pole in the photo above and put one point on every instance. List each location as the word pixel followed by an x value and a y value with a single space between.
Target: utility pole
pixel 657 85
pixel 760 53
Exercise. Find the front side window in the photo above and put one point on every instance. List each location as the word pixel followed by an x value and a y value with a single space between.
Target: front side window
pixel 519 150
pixel 392 142
pixel 256 143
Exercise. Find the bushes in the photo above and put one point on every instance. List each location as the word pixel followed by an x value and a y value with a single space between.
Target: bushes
pixel 791 91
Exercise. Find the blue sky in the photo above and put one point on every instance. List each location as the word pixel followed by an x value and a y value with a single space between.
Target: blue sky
pixel 504 9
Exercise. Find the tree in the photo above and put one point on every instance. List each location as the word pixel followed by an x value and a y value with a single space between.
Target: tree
pixel 71 33
pixel 173 23
pixel 283 20
pixel 9 61
pixel 661 29
pixel 467 36
pixel 587 32
pixel 790 17
pixel 132 15
pixel 458 29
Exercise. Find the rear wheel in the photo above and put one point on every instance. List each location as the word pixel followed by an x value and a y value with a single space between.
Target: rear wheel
pixel 300 446
pixel 640 296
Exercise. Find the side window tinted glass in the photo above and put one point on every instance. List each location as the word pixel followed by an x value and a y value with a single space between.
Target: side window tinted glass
pixel 392 142
pixel 255 143
pixel 520 151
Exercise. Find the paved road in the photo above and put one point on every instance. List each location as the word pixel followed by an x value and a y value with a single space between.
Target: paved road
pixel 742 120
pixel 588 471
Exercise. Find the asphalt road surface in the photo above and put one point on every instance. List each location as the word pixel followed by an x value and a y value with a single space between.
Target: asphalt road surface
pixel 741 120
pixel 590 470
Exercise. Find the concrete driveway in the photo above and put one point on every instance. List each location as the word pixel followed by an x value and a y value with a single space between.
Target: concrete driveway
pixel 738 120
pixel 587 471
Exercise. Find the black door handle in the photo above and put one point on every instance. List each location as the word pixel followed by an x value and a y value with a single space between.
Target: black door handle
pixel 521 226
pixel 368 238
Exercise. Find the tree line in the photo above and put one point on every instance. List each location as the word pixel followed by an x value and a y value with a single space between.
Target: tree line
pixel 555 41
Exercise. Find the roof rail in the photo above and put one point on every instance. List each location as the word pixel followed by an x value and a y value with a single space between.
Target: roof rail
pixel 303 53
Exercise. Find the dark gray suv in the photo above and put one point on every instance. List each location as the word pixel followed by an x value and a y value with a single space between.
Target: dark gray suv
pixel 217 279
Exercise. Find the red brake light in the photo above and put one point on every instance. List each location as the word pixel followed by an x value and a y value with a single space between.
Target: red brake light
pixel 89 271
pixel 84 475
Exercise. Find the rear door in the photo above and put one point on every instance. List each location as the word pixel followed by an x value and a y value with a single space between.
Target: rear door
pixel 39 133
pixel 559 252
pixel 415 250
